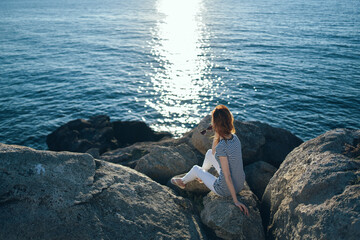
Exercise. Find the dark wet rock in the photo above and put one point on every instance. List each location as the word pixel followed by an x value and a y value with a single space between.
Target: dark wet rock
pixel 221 215
pixel 50 195
pixel 100 121
pixel 78 124
pixel 98 132
pixel 260 141
pixel 315 194
pixel 258 175
pixel 129 132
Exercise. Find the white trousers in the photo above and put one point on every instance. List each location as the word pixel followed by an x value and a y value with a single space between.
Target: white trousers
pixel 201 172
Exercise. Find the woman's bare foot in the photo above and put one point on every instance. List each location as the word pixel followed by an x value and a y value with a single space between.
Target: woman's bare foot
pixel 178 182
pixel 199 180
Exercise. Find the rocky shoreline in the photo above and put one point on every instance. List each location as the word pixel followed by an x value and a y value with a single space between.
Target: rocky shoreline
pixel 116 185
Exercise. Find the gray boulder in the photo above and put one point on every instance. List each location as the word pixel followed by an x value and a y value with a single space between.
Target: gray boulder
pixel 260 141
pixel 49 195
pixel 162 162
pixel 315 194
pixel 128 156
pixel 228 222
pixel 258 175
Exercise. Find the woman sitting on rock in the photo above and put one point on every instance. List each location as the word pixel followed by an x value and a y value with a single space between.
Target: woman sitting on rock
pixel 226 150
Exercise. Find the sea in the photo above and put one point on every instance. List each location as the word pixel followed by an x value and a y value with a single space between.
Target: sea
pixel 292 64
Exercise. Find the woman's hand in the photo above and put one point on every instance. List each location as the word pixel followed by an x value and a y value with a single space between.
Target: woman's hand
pixel 242 207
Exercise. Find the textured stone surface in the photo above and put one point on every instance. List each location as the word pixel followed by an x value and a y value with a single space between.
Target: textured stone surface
pixel 162 162
pixel 258 175
pixel 228 222
pixel 128 156
pixel 260 141
pixel 50 195
pixel 315 194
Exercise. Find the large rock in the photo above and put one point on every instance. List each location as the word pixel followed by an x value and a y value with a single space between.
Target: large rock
pixel 129 156
pixel 260 141
pixel 258 175
pixel 315 194
pixel 162 162
pixel 228 222
pixel 99 133
pixel 129 132
pixel 49 195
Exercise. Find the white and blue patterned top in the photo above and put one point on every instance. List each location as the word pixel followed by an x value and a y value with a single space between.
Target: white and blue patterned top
pixel 231 149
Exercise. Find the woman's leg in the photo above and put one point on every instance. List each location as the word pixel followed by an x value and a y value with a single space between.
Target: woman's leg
pixel 209 161
pixel 197 172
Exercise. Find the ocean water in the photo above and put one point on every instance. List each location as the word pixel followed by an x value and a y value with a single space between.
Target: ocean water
pixel 292 64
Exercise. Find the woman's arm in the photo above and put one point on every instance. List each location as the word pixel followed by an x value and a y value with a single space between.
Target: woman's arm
pixel 215 142
pixel 225 169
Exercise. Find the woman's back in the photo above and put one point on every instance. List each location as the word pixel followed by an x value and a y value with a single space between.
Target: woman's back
pixel 231 149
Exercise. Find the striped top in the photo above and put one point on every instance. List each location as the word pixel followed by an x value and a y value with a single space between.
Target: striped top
pixel 231 149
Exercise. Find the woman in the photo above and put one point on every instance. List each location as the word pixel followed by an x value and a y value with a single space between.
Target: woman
pixel 226 150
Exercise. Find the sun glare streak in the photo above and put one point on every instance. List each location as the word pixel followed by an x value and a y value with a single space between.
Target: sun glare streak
pixel 179 47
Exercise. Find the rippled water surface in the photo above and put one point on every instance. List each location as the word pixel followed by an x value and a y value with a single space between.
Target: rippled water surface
pixel 292 64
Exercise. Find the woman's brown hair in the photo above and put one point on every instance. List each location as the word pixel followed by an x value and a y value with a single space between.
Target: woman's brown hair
pixel 222 121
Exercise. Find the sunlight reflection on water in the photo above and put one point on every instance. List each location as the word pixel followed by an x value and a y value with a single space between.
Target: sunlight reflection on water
pixel 183 64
